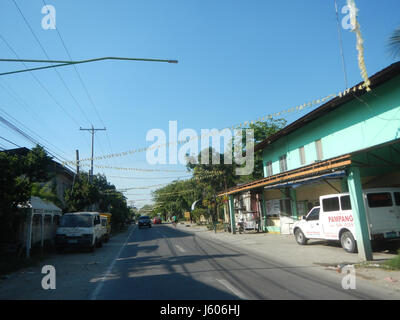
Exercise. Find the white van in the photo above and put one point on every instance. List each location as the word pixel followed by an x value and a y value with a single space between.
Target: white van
pixel 79 229
pixel 333 219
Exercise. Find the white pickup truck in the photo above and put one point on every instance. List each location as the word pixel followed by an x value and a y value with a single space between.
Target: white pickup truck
pixel 333 219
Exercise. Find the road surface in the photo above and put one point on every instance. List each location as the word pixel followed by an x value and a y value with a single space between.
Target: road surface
pixel 170 263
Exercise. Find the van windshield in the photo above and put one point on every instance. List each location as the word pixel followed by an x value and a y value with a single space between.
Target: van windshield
pixel 83 221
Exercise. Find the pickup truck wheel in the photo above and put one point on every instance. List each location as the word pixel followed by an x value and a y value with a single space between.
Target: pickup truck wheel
pixel 348 243
pixel 300 237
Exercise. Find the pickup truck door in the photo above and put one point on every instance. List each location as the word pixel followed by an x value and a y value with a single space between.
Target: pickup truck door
pixel 313 226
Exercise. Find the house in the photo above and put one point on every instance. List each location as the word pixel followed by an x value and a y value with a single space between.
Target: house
pixel 349 143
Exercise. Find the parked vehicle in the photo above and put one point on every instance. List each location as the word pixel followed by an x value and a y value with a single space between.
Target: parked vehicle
pixel 156 220
pixel 104 229
pixel 108 225
pixel 79 229
pixel 144 221
pixel 240 226
pixel 334 220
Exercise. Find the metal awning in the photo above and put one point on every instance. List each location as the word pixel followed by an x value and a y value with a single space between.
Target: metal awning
pixel 315 170
pixel 300 182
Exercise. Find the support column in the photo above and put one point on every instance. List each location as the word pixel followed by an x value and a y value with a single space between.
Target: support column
pixel 29 233
pixel 359 215
pixel 293 197
pixel 232 213
pixel 264 211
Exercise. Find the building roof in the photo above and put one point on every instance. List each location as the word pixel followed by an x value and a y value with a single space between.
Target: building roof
pixel 39 204
pixel 376 80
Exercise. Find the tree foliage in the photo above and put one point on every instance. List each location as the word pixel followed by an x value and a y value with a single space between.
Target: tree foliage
pixel 17 174
pixel 85 195
pixel 210 178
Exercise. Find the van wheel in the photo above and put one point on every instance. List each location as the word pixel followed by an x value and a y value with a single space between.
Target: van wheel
pixel 348 243
pixel 300 237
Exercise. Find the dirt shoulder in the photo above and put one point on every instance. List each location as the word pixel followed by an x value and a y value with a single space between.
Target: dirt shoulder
pixel 77 273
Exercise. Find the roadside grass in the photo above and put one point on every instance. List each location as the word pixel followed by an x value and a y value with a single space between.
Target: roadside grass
pixel 393 264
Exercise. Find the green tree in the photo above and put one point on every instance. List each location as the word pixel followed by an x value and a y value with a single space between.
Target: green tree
pixel 394 43
pixel 82 195
pixel 17 175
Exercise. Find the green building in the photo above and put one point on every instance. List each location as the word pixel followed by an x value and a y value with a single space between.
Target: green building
pixel 349 143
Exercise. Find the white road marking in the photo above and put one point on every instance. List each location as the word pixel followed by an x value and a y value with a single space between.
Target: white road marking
pixel 102 280
pixel 232 288
pixel 180 248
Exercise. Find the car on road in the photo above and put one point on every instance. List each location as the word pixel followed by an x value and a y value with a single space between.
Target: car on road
pixel 156 220
pixel 79 229
pixel 334 219
pixel 144 221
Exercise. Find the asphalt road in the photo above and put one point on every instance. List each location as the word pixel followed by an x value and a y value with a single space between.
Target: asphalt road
pixel 169 263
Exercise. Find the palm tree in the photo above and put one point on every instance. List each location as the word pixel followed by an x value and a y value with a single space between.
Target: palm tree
pixel 394 43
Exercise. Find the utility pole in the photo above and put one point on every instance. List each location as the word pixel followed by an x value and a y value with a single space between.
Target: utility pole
pixel 92 131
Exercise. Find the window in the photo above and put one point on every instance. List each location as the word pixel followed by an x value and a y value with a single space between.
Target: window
pixel 283 163
pixel 269 169
pixel 318 147
pixel 397 198
pixel 376 200
pixel 302 156
pixel 345 203
pixel 330 204
pixel 313 215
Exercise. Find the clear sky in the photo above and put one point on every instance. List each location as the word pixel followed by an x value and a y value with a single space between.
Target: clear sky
pixel 238 60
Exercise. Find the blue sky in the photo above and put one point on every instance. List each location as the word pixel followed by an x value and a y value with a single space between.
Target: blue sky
pixel 238 60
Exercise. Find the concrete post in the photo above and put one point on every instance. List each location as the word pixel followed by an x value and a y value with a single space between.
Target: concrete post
pixel 232 213
pixel 293 198
pixel 42 232
pixel 264 211
pixel 29 233
pixel 359 215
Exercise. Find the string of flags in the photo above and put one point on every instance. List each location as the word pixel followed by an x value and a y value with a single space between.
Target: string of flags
pixel 205 175
pixel 298 108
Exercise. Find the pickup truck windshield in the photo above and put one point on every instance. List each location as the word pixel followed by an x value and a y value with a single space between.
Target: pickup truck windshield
pixel 83 221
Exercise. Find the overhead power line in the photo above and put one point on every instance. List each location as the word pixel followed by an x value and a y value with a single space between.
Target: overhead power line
pixel 47 56
pixel 10 142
